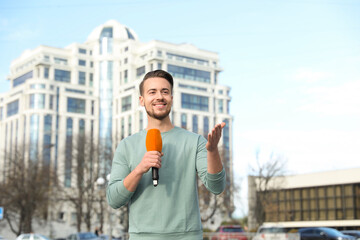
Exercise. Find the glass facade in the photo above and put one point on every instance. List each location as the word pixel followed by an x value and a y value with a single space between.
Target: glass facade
pixel 106 41
pixel 62 75
pixel 189 73
pixel 47 140
pixel 37 101
pixel 105 100
pixel 332 202
pixel 130 36
pixel 68 152
pixel 194 102
pixel 76 105
pixel 34 137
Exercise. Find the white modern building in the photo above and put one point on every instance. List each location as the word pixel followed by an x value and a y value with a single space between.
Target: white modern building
pixel 92 88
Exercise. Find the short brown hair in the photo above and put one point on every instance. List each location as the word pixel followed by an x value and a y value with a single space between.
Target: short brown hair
pixel 157 73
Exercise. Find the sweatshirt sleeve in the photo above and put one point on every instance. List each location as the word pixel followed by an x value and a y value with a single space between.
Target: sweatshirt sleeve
pixel 215 183
pixel 116 193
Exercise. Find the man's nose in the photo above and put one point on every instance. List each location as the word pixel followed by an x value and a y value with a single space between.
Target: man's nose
pixel 159 95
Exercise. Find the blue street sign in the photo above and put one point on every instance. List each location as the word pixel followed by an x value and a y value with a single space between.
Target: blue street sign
pixel 1 213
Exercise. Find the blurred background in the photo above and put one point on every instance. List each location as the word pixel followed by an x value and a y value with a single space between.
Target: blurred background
pixel 291 68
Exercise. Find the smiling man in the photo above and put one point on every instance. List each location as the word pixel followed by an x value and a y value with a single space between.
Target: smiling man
pixel 171 210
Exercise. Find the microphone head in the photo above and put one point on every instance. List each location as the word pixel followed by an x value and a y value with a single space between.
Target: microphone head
pixel 153 140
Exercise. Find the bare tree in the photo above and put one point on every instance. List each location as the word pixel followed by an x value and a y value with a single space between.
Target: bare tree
pixel 210 203
pixel 82 158
pixel 27 191
pixel 263 176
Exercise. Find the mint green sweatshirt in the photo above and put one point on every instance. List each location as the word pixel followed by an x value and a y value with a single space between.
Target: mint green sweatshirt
pixel 170 210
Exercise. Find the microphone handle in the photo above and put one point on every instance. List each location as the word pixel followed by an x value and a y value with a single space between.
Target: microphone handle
pixel 155 176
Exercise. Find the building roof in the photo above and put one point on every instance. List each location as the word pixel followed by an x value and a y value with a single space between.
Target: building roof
pixel 120 32
pixel 344 176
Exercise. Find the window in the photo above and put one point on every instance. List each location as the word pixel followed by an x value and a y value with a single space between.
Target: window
pixel 12 108
pixel 46 72
pixel 60 61
pixel 141 120
pixel 183 120
pixel 189 73
pixel 129 125
pixel 130 36
pixel 125 76
pixel 62 75
pixel 106 41
pixel 82 51
pixel 82 62
pixel 37 101
pixel 193 87
pixel 126 103
pixel 1 113
pixel 195 124
pixel 206 126
pixel 34 137
pixel 122 128
pixel 220 106
pixel 226 134
pixel 51 102
pixel 187 59
pixel 20 80
pixel 140 71
pixel 82 78
pixel 74 90
pixel 47 140
pixel 189 101
pixel 76 105
pixel 37 86
pixel 91 79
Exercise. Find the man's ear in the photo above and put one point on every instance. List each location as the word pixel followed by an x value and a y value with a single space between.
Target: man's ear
pixel 141 100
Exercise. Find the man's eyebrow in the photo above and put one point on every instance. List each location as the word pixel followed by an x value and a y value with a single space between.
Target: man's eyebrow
pixel 155 89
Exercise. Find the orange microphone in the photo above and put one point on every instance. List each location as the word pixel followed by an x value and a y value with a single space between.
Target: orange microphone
pixel 154 143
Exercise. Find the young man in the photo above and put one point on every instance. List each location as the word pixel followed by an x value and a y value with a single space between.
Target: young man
pixel 170 210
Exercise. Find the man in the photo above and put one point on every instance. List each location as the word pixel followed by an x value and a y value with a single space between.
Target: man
pixel 170 210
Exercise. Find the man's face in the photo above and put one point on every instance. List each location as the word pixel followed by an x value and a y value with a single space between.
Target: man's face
pixel 157 98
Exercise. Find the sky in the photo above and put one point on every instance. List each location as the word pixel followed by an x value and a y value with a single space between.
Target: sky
pixel 293 67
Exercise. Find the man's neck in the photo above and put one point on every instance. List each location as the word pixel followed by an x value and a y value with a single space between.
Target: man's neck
pixel 163 125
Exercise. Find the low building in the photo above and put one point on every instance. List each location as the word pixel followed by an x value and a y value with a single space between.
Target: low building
pixel 330 199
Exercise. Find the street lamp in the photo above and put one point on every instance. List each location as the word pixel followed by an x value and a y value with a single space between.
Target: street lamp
pixel 101 182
